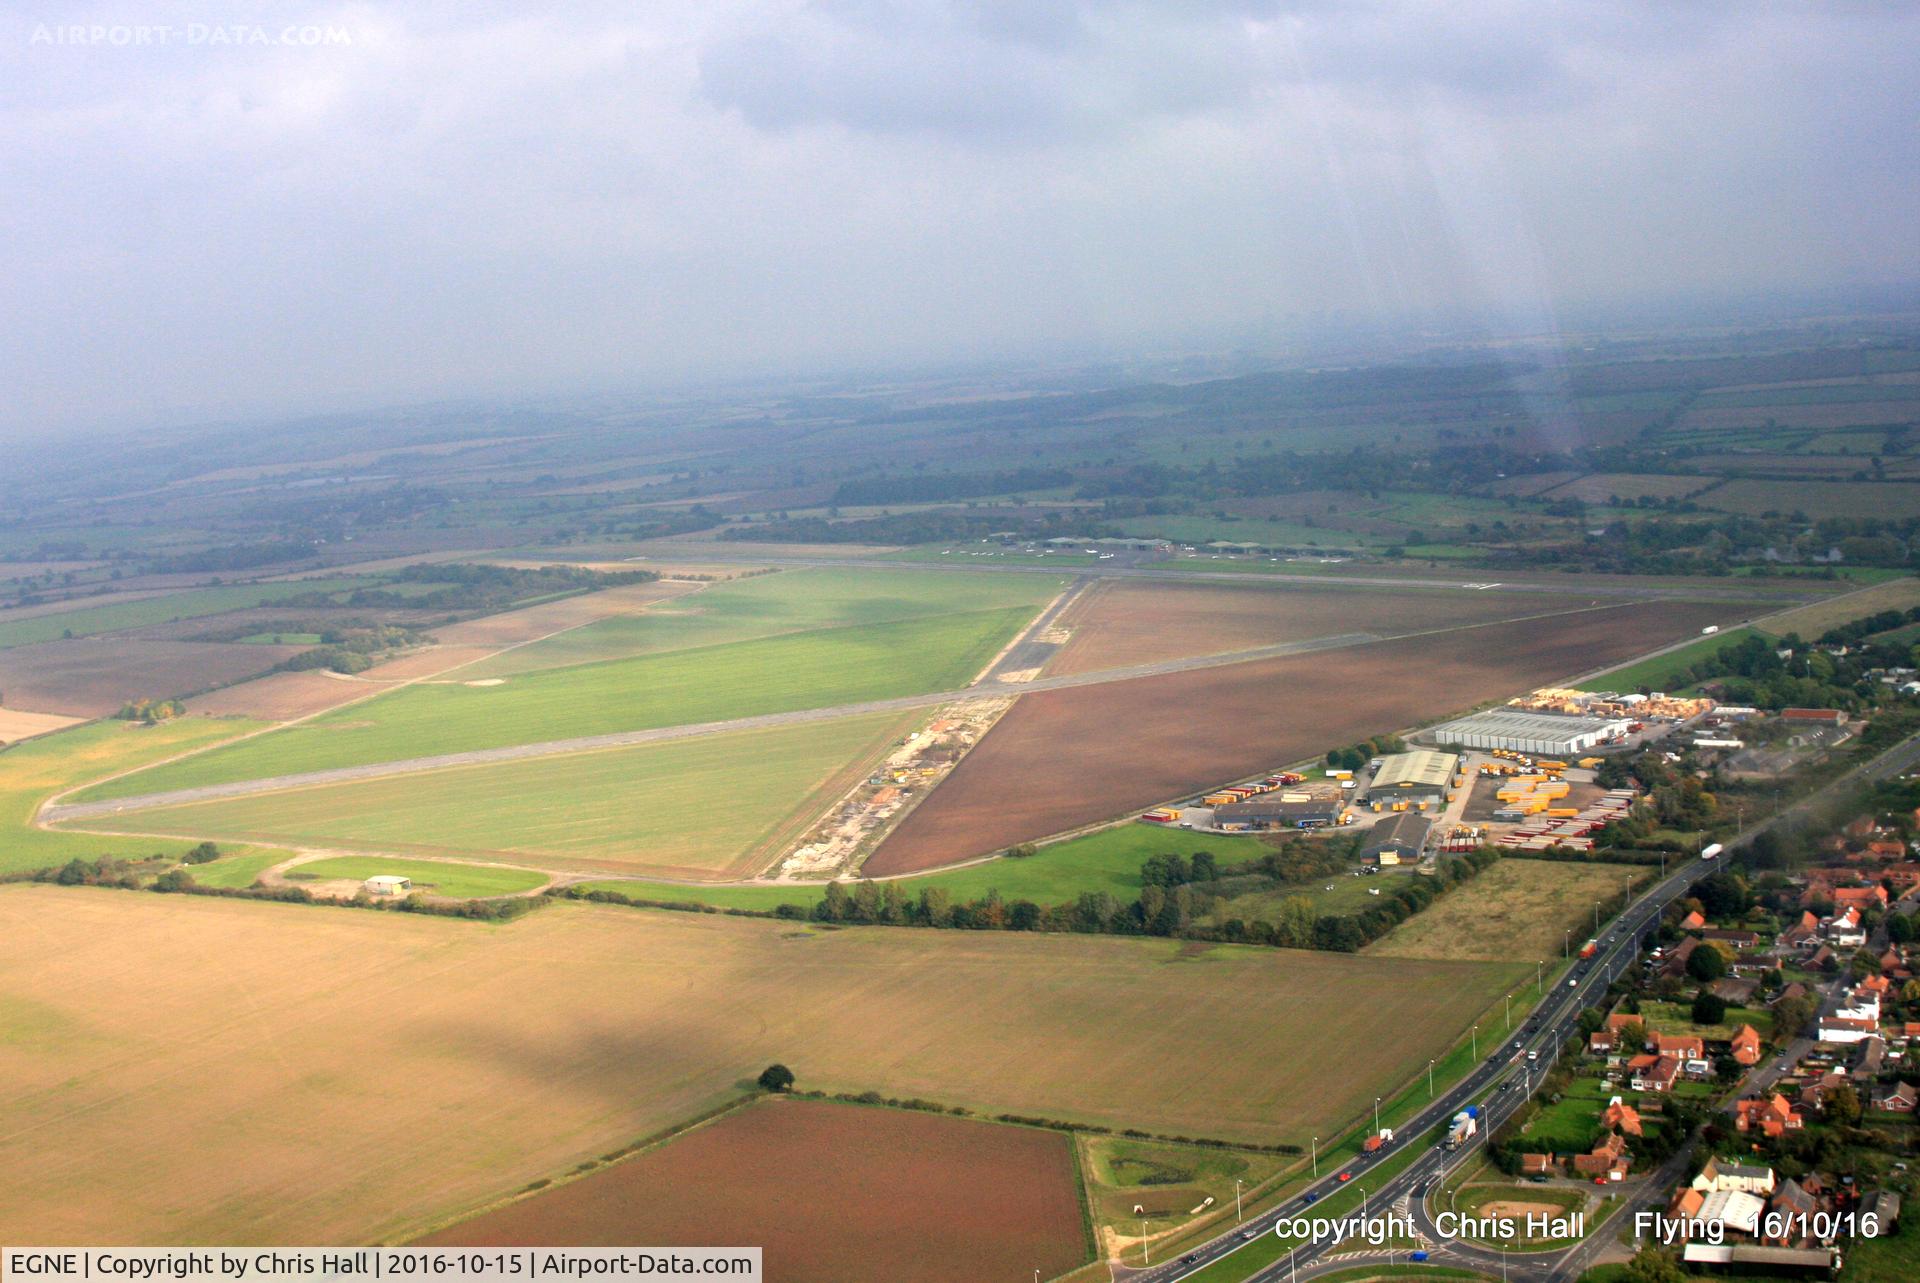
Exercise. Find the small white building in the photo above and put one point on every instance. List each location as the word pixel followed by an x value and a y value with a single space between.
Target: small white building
pixel 388 884
pixel 1720 1176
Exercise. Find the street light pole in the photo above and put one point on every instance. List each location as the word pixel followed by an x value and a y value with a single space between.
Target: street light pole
pixel 1509 1011
pixel 1429 1080
pixel 1376 1115
pixel 1237 1214
pixel 1540 976
pixel 1566 943
pixel 1476 1040
pixel 1314 1145
pixel 1144 1258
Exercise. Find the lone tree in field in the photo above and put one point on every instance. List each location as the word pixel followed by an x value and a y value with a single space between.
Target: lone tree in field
pixel 776 1077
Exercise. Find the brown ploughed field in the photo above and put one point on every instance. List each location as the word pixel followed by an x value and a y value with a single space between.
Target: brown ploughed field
pixel 1065 758
pixel 94 676
pixel 1118 624
pixel 832 1193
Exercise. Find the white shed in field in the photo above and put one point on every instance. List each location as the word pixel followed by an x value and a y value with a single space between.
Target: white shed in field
pixel 388 884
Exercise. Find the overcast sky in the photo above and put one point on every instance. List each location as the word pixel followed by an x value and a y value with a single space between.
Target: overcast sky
pixel 261 206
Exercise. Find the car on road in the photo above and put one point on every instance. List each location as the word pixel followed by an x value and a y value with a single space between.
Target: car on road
pixel 1311 1198
pixel 1247 1234
pixel 1533 1055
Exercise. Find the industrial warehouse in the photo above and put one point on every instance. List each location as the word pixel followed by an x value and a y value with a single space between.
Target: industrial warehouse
pixel 1397 839
pixel 1315 813
pixel 1422 775
pixel 1543 734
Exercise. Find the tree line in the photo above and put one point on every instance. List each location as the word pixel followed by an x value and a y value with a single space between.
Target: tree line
pixel 1177 899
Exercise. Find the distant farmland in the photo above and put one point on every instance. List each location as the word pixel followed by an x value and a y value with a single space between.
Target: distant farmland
pixel 32 772
pixel 888 1194
pixel 741 679
pixel 710 807
pixel 1121 623
pixel 368 1075
pixel 792 601
pixel 1064 758
pixel 94 676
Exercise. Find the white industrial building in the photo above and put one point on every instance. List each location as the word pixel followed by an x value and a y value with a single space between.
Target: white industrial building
pixel 1538 734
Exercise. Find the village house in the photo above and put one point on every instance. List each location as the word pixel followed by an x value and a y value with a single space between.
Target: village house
pixel 1693 921
pixel 1745 1046
pixel 1789 1209
pixel 1802 931
pixel 1653 1073
pixel 1873 896
pixel 1869 1056
pixel 1814 1091
pixel 1609 1161
pixel 1844 929
pixel 1721 1175
pixel 1622 1117
pixel 1539 1165
pixel 1679 1046
pixel 1738 939
pixel 1772 1117
pixel 1675 963
pixel 1897 1099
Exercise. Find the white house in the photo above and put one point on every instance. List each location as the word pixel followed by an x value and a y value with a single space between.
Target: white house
pixel 1720 1176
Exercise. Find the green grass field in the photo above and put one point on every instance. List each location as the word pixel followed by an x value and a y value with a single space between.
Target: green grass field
pixel 436 877
pixel 1105 861
pixel 721 896
pixel 33 771
pixel 768 605
pixel 1677 1018
pixel 1518 909
pixel 235 871
pixel 714 683
pixel 281 639
pixel 706 807
pixel 193 604
pixel 1664 672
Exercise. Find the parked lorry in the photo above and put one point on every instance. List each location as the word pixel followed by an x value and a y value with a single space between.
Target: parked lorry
pixel 1465 1126
pixel 1711 852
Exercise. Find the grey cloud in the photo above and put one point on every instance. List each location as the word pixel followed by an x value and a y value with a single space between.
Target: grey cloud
pixel 493 198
